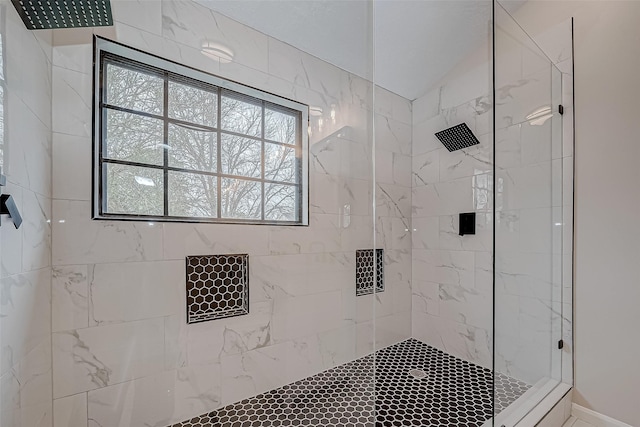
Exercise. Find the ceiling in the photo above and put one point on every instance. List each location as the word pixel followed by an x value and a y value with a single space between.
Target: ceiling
pixel 416 41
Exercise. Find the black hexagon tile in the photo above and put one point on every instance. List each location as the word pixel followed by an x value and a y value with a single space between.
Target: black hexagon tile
pixel 406 384
pixel 369 271
pixel 217 287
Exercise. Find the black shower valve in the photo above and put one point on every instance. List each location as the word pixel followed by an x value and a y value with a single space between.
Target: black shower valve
pixel 467 223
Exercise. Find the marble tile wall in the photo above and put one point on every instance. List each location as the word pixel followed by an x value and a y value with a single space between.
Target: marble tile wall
pixel 452 275
pixel 122 351
pixel 25 254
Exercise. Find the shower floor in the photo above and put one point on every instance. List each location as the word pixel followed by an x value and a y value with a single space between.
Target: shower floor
pixel 415 385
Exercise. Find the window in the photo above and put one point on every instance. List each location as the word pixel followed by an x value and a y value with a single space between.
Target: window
pixel 175 144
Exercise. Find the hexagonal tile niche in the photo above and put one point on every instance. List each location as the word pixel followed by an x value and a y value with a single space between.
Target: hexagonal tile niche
pixel 369 270
pixel 217 287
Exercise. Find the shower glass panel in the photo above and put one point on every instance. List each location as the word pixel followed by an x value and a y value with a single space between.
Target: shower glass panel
pixel 529 224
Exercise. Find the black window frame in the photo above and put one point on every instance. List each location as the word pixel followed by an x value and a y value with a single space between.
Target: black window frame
pixel 110 52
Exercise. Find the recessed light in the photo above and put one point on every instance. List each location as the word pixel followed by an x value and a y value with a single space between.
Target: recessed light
pixel 216 50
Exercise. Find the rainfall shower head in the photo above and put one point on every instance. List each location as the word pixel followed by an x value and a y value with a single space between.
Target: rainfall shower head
pixel 457 137
pixel 51 14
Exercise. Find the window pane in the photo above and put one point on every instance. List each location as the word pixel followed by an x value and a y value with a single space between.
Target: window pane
pixel 280 202
pixel 241 156
pixel 240 199
pixel 192 195
pixel 192 149
pixel 279 127
pixel 134 90
pixel 133 138
pixel 192 104
pixel 279 163
pixel 134 190
pixel 241 117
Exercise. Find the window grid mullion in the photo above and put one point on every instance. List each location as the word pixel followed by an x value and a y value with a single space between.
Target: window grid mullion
pixel 165 166
pixel 219 156
pixel 165 148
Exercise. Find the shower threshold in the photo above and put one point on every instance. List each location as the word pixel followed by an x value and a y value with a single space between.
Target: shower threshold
pixel 414 385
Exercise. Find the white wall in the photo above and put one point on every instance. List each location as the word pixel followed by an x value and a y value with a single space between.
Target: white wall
pixel 25 254
pixel 122 351
pixel 607 236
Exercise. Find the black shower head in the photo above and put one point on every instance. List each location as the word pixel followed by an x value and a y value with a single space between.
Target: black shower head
pixel 457 137
pixel 51 14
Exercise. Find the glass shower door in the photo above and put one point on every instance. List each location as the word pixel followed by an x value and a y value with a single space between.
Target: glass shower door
pixel 528 191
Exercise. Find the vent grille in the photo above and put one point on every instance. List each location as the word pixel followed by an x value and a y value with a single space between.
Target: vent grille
pixel 457 137
pixel 52 14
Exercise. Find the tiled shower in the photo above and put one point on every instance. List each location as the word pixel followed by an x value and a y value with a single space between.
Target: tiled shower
pixel 377 313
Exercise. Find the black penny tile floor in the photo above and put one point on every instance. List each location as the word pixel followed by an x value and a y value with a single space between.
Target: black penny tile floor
pixel 415 385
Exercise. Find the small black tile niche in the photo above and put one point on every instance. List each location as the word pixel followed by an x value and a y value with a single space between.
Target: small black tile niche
pixel 369 271
pixel 217 287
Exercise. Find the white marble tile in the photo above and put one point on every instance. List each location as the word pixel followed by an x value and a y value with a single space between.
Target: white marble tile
pixel 469 306
pixel 401 109
pixel 302 69
pixel 444 267
pixel 470 161
pixel 77 56
pixel 392 135
pixel 34 373
pixel 295 317
pixel 124 292
pixel 71 183
pixel 27 150
pixel 92 358
pixel 426 232
pixel 11 239
pixel 79 240
pixel 206 342
pixel 450 239
pixel 157 400
pixel 525 187
pixel 338 346
pixel 463 341
pixel 426 106
pixel 142 14
pixel 191 24
pixel 257 371
pixel 206 239
pixel 70 411
pixel 25 309
pixel 426 167
pixel 334 195
pixel 36 231
pixel 72 93
pixel 425 298
pixel 393 200
pixel 322 235
pixel 306 274
pixel 536 230
pixel 27 66
pixel 70 303
pixel 393 328
pixel 518 99
pixel 444 198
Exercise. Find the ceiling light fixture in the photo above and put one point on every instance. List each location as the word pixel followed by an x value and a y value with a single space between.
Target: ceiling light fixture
pixel 215 50
pixel 539 116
